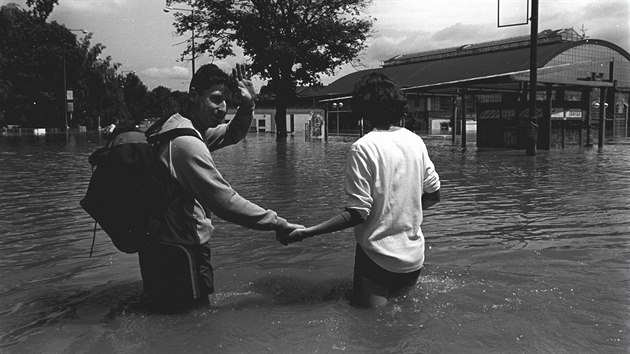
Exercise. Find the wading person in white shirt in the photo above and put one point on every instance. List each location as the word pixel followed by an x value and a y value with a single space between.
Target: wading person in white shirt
pixel 389 180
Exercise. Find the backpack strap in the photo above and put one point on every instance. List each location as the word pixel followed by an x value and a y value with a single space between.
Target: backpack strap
pixel 156 126
pixel 159 139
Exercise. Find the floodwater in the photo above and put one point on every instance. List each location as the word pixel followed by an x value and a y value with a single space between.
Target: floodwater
pixel 524 255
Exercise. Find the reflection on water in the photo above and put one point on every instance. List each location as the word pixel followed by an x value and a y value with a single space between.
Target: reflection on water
pixel 524 254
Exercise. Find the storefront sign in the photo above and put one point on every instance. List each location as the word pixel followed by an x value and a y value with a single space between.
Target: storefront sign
pixel 574 113
pixel 557 113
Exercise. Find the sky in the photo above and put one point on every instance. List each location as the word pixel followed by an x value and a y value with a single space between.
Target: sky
pixel 141 36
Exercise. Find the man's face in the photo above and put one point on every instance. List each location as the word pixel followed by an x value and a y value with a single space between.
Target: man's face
pixel 209 108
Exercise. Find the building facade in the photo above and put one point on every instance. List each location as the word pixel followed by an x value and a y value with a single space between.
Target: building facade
pixel 583 90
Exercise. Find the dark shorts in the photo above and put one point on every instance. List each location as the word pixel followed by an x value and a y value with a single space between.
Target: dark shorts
pixel 175 276
pixel 365 267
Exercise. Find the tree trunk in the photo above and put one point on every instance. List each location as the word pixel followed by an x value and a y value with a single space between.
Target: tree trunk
pixel 281 118
pixel 284 89
pixel 283 98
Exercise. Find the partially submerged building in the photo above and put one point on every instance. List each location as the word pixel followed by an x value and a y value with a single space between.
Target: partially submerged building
pixel 582 92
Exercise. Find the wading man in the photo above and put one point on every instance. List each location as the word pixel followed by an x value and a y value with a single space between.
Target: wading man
pixel 175 267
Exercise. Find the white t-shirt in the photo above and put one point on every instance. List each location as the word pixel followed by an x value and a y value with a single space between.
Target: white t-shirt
pixel 387 171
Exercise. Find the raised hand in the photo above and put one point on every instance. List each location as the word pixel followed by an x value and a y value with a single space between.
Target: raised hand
pixel 246 92
pixel 108 131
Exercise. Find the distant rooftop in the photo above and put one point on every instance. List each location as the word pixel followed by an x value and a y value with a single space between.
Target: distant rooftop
pixel 544 37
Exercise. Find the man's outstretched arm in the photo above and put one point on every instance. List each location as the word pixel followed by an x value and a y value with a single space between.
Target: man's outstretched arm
pixel 345 219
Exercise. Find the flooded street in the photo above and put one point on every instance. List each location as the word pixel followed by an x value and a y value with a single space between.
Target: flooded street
pixel 524 255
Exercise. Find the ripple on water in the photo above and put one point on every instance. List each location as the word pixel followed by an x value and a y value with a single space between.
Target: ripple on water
pixel 525 254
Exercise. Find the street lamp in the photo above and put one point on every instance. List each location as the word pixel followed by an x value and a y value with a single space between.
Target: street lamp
pixel 192 30
pixel 78 30
pixel 595 104
pixel 337 107
pixel 67 98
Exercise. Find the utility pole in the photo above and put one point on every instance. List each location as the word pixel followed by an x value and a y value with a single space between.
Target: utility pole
pixel 532 123
pixel 192 32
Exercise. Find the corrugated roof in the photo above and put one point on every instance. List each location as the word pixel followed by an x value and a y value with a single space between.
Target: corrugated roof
pixel 544 37
pixel 458 69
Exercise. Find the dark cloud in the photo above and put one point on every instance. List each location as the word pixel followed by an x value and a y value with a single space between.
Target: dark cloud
pixel 388 44
pixel 607 20
pixel 460 33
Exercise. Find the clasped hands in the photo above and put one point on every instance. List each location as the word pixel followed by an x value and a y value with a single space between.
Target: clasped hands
pixel 291 233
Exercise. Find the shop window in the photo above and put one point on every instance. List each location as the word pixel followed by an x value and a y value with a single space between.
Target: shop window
pixel 489 98
pixel 441 103
pixel 572 96
pixel 446 103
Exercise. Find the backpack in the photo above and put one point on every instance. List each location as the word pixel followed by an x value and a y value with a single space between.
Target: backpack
pixel 125 195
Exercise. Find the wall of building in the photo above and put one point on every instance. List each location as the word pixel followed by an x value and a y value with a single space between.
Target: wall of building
pixel 297 118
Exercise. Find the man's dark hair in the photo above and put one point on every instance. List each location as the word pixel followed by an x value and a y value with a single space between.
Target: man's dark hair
pixel 378 99
pixel 209 75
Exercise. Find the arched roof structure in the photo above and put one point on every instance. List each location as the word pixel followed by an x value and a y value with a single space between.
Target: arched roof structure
pixel 501 66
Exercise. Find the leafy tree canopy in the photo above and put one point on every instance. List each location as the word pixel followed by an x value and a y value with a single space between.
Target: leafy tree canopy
pixel 289 42
pixel 286 39
pixel 41 9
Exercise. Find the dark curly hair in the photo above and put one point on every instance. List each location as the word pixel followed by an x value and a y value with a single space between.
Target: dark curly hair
pixel 209 75
pixel 378 99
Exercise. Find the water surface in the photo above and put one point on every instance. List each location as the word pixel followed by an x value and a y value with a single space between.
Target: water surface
pixel 524 254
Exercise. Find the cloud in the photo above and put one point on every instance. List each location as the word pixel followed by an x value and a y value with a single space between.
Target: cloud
pixel 175 72
pixel 606 20
pixel 176 77
pixel 100 6
pixel 388 42
pixel 615 15
pixel 459 32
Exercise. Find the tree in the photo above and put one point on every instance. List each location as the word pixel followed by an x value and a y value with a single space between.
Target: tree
pixel 33 54
pixel 42 8
pixel 39 59
pixel 180 101
pixel 135 93
pixel 290 42
pixel 161 102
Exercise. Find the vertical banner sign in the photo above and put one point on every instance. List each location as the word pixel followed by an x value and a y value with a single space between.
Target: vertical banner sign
pixel 70 100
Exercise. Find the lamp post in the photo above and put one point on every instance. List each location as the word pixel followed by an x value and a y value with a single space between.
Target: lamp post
pixel 192 31
pixel 67 99
pixel 602 116
pixel 337 107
